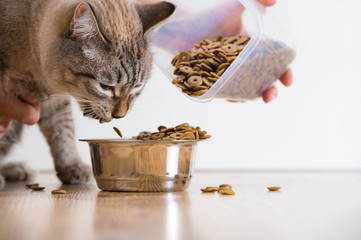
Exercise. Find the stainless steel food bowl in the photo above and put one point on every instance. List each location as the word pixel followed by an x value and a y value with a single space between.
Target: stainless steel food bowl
pixel 143 166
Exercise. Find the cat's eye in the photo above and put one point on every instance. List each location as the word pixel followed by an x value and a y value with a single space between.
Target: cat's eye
pixel 138 85
pixel 106 87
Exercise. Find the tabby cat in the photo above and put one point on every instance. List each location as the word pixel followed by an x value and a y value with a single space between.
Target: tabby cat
pixel 95 51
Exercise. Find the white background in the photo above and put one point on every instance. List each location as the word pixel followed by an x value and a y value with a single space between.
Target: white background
pixel 315 124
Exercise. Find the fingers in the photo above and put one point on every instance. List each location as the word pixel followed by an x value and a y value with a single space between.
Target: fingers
pixel 25 109
pixel 4 125
pixel 287 77
pixel 28 98
pixel 267 3
pixel 270 94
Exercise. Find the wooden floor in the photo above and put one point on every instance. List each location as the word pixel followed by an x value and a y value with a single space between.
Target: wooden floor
pixel 310 206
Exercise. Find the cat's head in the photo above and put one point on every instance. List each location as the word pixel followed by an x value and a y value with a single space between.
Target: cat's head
pixel 106 54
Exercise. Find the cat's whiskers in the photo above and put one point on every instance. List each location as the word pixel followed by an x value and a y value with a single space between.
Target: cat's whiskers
pixel 80 100
pixel 94 115
pixel 56 115
pixel 65 97
pixel 89 112
pixel 85 104
pixel 54 105
pixel 66 111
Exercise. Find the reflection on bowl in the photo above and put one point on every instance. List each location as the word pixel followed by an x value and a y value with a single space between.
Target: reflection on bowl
pixel 143 166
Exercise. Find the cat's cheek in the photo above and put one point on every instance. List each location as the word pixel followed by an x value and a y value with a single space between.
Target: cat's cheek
pixel 109 93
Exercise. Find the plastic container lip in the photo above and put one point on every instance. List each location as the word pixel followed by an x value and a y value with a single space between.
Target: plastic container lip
pixel 241 58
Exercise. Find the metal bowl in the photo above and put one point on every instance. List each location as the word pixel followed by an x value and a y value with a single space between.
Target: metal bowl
pixel 142 166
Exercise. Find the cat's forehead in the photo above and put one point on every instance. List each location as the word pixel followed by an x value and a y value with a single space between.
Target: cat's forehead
pixel 119 20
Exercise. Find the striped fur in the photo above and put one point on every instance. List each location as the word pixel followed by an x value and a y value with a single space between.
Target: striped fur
pixel 95 51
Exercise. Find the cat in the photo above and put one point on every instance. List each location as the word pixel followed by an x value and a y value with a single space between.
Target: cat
pixel 95 51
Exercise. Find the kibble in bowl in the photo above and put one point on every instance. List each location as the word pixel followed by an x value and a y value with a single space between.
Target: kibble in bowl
pixel 146 163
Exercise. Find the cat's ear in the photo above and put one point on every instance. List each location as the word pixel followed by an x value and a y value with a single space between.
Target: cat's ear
pixel 153 14
pixel 84 24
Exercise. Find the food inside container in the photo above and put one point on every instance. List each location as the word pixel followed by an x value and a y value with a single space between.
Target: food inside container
pixel 197 29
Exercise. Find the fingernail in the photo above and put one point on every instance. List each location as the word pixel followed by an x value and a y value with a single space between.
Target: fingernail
pixel 272 97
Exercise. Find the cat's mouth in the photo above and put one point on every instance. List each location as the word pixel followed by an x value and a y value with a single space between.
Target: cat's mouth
pixel 96 117
pixel 104 121
pixel 89 112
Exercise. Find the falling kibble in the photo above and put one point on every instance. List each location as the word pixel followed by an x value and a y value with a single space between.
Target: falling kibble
pixel 118 132
pixel 273 189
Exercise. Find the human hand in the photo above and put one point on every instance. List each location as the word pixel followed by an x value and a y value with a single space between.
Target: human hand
pixel 227 23
pixel 286 79
pixel 24 108
pixel 271 93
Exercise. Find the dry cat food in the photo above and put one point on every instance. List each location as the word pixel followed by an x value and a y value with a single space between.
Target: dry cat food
pixel 179 132
pixel 200 67
pixel 59 191
pixel 32 185
pixel 224 189
pixel 37 188
pixel 118 132
pixel 210 189
pixel 273 188
pixel 259 71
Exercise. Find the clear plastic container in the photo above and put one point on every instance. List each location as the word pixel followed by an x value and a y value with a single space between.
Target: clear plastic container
pixel 264 59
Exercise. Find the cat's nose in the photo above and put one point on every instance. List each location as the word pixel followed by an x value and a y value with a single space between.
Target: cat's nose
pixel 121 109
pixel 116 116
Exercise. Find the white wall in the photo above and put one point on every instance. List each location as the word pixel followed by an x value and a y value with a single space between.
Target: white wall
pixel 314 124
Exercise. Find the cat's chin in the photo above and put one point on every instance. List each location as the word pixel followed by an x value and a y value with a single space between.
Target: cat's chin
pixel 96 117
pixel 104 120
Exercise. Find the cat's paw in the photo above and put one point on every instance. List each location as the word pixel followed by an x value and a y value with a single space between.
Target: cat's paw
pixel 17 171
pixel 75 174
pixel 2 182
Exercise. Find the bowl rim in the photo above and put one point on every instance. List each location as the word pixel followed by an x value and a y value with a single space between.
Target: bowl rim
pixel 129 140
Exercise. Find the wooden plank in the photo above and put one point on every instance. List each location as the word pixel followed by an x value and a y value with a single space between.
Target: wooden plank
pixel 309 206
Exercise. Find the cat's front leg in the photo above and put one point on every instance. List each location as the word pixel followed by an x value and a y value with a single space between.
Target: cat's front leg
pixel 56 123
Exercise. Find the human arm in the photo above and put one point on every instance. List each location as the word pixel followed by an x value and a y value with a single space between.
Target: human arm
pixel 286 79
